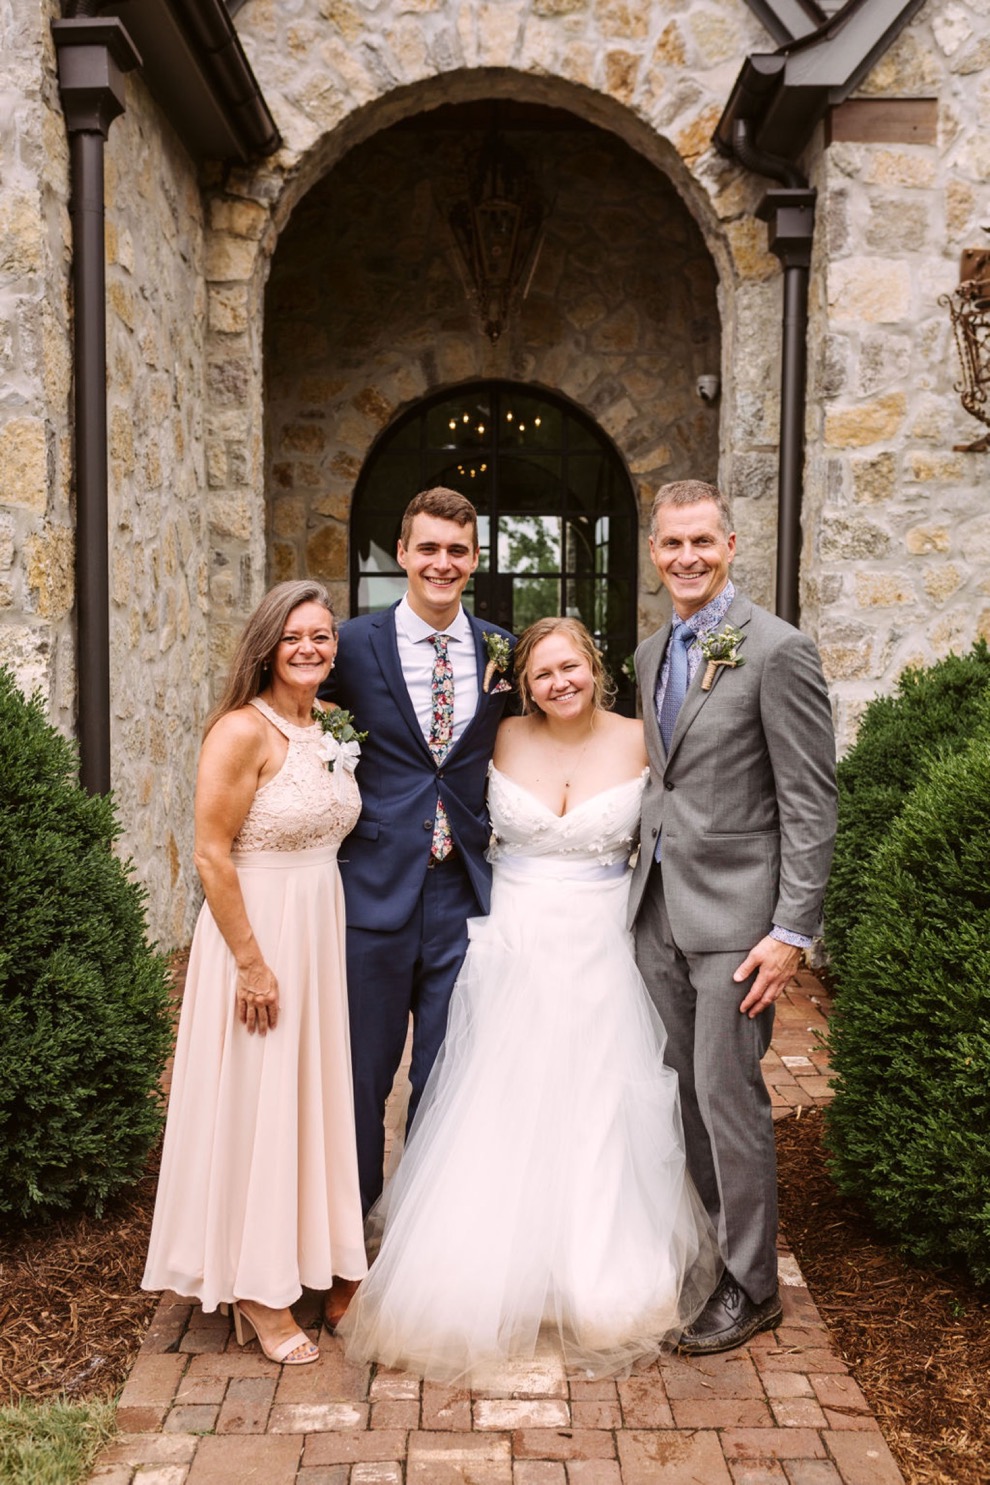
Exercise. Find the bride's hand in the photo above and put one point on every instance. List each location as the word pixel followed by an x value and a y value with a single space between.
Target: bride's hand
pixel 257 998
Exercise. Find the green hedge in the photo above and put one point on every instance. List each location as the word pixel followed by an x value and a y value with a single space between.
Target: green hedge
pixel 86 1016
pixel 909 1127
pixel 932 714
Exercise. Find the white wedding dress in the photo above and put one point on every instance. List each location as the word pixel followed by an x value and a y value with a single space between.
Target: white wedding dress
pixel 543 1185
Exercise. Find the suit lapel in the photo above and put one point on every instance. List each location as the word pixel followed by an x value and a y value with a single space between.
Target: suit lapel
pixel 738 614
pixel 481 660
pixel 385 646
pixel 652 658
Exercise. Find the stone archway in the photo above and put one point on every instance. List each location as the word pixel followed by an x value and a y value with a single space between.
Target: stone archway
pixel 366 313
pixel 626 74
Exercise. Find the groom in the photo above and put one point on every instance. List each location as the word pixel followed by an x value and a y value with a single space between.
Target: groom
pixel 417 679
pixel 739 819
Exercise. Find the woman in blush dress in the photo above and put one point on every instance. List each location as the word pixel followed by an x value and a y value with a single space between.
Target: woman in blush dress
pixel 258 1194
pixel 544 1186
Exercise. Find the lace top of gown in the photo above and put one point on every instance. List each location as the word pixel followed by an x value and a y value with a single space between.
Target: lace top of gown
pixel 602 829
pixel 305 804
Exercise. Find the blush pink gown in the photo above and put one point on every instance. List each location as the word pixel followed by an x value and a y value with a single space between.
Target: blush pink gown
pixel 258 1193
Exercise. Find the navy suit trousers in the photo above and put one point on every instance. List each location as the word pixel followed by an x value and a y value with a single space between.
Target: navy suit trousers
pixel 389 976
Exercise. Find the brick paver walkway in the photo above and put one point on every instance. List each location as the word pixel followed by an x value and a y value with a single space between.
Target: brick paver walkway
pixel 198 1410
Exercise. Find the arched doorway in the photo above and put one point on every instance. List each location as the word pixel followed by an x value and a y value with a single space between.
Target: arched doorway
pixel 557 512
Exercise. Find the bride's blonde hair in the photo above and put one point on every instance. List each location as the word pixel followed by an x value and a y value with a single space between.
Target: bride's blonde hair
pixel 604 689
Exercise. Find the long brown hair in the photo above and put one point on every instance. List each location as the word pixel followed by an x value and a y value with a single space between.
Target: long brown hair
pixel 250 668
pixel 604 689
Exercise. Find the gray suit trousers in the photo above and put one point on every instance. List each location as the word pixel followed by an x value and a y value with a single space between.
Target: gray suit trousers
pixel 728 1125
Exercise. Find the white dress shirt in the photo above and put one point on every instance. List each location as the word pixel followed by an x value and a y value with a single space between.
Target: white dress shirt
pixel 416 656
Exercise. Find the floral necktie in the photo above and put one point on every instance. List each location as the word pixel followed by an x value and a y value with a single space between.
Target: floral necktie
pixel 441 734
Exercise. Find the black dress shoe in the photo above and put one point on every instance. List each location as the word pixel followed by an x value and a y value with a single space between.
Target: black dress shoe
pixel 729 1318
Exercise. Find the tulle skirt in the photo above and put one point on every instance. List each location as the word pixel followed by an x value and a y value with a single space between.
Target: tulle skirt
pixel 258 1193
pixel 543 1187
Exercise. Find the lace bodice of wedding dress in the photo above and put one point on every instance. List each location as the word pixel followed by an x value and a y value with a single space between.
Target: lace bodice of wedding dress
pixel 603 829
pixel 304 805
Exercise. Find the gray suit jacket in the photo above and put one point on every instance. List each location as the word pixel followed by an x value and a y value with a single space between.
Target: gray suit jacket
pixel 746 799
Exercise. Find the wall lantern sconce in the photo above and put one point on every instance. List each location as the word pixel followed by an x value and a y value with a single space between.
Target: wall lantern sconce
pixel 498 230
pixel 969 311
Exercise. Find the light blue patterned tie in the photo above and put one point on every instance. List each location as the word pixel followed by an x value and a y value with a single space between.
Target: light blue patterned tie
pixel 677 681
pixel 673 696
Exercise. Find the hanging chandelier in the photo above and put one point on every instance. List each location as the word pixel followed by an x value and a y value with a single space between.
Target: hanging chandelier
pixel 497 229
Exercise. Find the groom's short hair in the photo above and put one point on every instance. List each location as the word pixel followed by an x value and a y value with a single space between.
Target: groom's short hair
pixel 690 492
pixel 446 505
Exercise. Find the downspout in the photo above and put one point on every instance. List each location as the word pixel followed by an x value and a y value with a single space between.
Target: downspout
pixel 93 55
pixel 790 216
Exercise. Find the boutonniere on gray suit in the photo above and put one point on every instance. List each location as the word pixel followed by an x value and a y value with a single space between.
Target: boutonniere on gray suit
pixel 721 649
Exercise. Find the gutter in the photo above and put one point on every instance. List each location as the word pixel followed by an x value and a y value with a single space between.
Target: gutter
pixel 197 69
pixel 776 102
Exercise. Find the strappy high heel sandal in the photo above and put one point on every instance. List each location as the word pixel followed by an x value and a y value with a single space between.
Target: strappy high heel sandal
pixel 282 1354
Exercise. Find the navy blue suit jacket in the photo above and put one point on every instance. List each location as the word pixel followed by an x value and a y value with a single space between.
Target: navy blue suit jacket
pixel 383 861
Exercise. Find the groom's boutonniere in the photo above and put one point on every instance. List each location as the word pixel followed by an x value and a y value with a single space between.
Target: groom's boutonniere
pixel 499 654
pixel 720 649
pixel 341 740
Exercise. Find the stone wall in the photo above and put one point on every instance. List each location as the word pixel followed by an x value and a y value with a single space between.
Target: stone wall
pixel 36 540
pixel 366 313
pixel 155 371
pixel 897 528
pixel 156 332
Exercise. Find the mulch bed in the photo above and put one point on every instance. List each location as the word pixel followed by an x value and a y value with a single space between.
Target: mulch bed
pixel 72 1316
pixel 917 1342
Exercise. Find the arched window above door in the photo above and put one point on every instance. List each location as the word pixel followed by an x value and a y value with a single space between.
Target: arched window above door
pixel 556 511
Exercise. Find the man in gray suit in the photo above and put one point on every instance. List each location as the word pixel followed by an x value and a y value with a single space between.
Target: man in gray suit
pixel 739 819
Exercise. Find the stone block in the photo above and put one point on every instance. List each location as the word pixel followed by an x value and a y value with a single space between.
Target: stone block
pixel 21 235
pixel 238 217
pixel 882 589
pixel 229 259
pixel 842 538
pixel 50 557
pixel 942 581
pixel 874 480
pixel 228 308
pixel 24 464
pixel 748 243
pixel 871 290
pixel 326 552
pixel 869 422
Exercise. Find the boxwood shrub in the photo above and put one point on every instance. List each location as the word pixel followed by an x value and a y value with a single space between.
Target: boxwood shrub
pixel 85 1001
pixel 932 714
pixel 910 1034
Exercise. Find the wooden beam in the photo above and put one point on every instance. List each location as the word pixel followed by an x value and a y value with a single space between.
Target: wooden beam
pixel 883 121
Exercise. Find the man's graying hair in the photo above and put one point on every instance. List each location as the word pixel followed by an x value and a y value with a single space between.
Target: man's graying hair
pixel 690 492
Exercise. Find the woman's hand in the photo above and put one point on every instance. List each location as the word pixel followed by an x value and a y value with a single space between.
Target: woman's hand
pixel 257 998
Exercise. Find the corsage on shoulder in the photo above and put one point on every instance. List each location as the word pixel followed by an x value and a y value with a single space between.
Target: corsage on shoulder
pixel 499 654
pixel 720 649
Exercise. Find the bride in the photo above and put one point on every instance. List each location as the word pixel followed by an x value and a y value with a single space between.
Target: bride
pixel 544 1185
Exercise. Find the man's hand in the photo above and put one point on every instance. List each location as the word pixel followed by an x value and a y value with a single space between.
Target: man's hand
pixel 777 963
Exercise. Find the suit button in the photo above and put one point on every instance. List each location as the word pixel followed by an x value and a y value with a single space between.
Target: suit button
pixel 427 824
pixel 655 832
pixel 439 773
pixel 668 786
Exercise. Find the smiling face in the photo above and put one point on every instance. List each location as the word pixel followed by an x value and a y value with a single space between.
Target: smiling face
pixel 559 678
pixel 306 650
pixel 692 553
pixel 438 561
